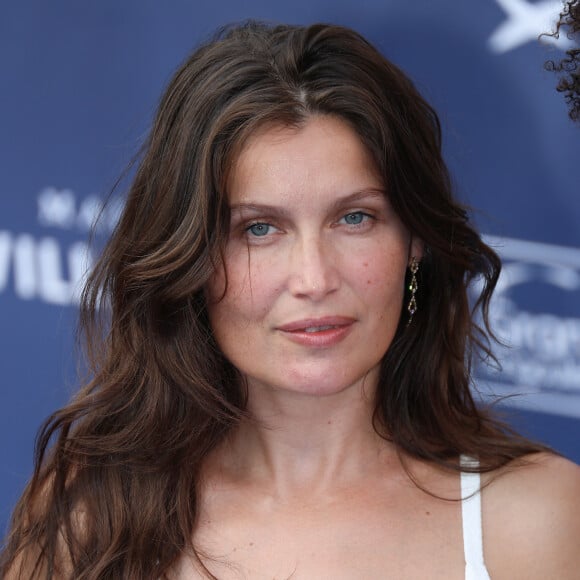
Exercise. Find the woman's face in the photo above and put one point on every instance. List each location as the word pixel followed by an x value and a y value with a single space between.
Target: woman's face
pixel 315 262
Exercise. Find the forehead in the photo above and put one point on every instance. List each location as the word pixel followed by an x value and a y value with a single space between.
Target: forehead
pixel 323 153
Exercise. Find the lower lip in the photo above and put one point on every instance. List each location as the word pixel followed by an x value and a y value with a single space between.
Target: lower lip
pixel 320 339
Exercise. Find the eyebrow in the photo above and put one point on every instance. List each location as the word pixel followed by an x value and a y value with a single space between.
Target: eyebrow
pixel 358 195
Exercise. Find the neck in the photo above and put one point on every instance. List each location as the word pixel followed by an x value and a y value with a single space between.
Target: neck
pixel 301 440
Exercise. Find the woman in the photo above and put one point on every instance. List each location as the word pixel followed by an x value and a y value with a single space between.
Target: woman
pixel 281 379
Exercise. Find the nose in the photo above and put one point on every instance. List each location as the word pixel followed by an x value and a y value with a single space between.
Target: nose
pixel 314 270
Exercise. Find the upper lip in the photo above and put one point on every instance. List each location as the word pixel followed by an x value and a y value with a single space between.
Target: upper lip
pixel 315 322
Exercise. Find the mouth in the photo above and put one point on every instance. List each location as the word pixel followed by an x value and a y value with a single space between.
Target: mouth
pixel 318 333
pixel 319 328
pixel 314 325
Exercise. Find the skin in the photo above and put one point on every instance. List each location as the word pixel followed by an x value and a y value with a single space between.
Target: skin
pixel 308 490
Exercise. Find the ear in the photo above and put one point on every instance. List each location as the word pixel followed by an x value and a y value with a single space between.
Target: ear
pixel 416 248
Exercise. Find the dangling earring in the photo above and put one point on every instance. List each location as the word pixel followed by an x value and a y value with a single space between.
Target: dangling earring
pixel 413 287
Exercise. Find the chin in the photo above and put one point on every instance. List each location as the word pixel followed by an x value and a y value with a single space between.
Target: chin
pixel 327 383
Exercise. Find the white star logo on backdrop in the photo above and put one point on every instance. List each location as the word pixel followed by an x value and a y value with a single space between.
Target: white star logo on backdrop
pixel 525 22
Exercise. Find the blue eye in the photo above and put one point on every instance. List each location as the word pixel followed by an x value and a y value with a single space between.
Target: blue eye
pixel 259 229
pixel 355 218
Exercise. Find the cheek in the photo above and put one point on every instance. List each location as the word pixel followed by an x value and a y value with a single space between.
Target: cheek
pixel 251 288
pixel 229 278
pixel 368 277
pixel 381 278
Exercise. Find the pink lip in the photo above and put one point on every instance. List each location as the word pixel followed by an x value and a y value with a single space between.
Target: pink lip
pixel 296 331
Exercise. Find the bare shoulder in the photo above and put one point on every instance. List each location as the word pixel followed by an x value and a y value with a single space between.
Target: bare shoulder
pixel 531 519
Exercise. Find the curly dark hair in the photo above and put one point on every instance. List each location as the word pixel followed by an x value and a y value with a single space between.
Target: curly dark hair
pixel 569 67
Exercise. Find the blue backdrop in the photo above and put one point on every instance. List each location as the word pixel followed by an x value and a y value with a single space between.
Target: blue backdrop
pixel 79 84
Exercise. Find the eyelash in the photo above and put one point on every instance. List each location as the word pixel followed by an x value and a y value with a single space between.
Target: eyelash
pixel 247 229
pixel 366 217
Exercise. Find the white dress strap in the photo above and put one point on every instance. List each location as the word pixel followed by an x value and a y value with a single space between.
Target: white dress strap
pixel 472 528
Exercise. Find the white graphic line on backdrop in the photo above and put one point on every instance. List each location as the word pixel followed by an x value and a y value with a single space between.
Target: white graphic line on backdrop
pixel 535 313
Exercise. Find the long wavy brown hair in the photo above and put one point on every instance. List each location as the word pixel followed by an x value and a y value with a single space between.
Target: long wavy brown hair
pixel 115 491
